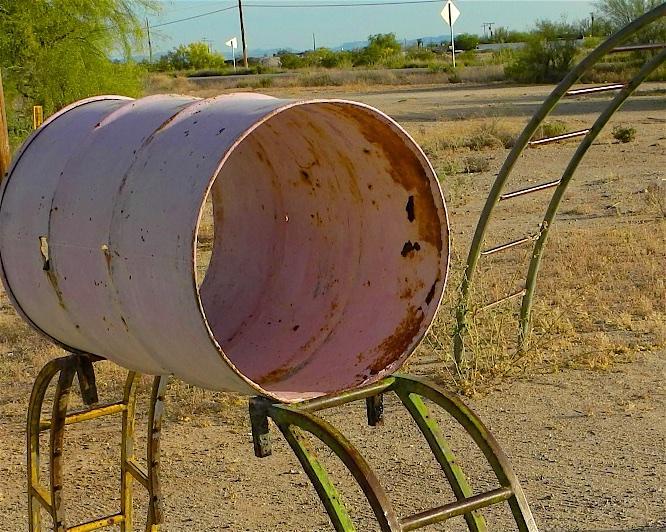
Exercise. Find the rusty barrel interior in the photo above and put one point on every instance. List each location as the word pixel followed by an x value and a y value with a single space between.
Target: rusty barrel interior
pixel 242 243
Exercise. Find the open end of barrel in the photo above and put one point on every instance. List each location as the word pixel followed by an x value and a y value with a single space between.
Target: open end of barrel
pixel 322 250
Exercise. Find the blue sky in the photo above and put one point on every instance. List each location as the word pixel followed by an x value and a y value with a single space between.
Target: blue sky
pixel 269 28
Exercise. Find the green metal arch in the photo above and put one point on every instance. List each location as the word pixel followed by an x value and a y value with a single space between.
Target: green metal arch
pixel 463 307
pixel 556 200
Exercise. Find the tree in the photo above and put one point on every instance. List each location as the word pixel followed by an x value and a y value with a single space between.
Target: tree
pixel 548 54
pixel 619 13
pixel 57 51
pixel 381 47
pixel 193 56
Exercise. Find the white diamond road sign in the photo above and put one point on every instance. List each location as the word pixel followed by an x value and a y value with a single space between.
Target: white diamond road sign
pixel 450 13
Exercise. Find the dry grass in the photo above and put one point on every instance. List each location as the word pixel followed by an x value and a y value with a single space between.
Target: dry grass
pixel 601 296
pixel 350 78
pixel 601 300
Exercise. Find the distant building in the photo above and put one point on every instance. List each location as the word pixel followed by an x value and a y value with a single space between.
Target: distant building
pixel 271 62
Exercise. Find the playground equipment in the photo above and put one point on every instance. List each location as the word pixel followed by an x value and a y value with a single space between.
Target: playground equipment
pixel 498 196
pixel 98 245
pixel 329 259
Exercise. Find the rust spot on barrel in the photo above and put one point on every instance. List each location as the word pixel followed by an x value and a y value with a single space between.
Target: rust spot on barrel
pixel 397 344
pixel 406 169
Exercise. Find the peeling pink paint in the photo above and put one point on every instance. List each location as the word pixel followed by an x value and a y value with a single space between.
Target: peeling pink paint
pixel 330 254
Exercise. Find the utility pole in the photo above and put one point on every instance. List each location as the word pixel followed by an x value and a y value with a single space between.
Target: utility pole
pixel 314 42
pixel 489 26
pixel 242 28
pixel 592 24
pixel 150 43
pixel 5 155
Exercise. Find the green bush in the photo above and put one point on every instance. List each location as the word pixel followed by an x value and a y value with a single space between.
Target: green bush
pixel 381 48
pixel 475 164
pixel 466 41
pixel 550 129
pixel 193 56
pixel 547 57
pixel 291 61
pixel 420 54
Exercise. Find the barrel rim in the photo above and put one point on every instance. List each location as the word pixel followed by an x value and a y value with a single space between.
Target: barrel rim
pixel 435 187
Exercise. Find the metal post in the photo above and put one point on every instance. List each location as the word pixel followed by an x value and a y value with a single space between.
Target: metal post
pixel 242 28
pixel 5 154
pixel 453 41
pixel 150 43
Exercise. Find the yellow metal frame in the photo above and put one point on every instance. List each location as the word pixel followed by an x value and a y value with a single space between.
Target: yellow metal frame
pixel 37 116
pixel 50 497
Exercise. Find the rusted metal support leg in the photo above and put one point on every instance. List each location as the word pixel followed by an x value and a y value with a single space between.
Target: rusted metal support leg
pixel 57 440
pixel 127 452
pixel 51 498
pixel 261 435
pixel 38 496
pixel 156 415
pixel 374 407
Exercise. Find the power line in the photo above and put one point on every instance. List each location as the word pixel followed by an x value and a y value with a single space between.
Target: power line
pixel 356 4
pixel 296 6
pixel 194 17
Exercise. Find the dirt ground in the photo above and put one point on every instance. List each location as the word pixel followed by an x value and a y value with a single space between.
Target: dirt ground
pixel 589 445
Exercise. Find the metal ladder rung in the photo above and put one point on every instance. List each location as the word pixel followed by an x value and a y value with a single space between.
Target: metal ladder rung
pixel 529 190
pixel 500 301
pixel 465 506
pixel 138 472
pixel 104 522
pixel 600 88
pixel 638 47
pixel 43 496
pixel 88 414
pixel 558 138
pixel 509 245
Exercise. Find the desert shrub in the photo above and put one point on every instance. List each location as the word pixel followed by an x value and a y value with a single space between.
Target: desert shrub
pixel 466 41
pixel 420 54
pixel 489 135
pixel 475 164
pixel 381 48
pixel 454 77
pixel 550 129
pixel 624 134
pixel 291 61
pixel 547 57
pixel 193 56
pixel 440 67
pixel 656 197
pixel 264 83
pixel 448 167
pixel 469 58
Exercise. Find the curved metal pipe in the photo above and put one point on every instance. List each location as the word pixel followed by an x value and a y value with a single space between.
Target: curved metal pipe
pixel 551 212
pixel 521 143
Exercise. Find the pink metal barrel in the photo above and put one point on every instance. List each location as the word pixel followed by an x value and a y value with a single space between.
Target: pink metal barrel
pixel 328 256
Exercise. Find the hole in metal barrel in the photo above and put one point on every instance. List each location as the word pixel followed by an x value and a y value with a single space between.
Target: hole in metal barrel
pixel 300 252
